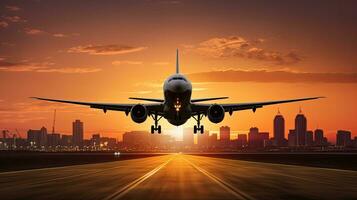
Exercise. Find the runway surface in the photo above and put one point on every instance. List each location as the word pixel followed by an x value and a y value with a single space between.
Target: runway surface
pixel 179 177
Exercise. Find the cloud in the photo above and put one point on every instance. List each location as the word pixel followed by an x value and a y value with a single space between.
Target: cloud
pixel 15 19
pixel 63 35
pixel 12 8
pixel 60 35
pixel 3 24
pixel 71 70
pixel 277 57
pixel 34 31
pixel 112 49
pixel 126 62
pixel 222 47
pixel 272 76
pixel 235 46
pixel 43 67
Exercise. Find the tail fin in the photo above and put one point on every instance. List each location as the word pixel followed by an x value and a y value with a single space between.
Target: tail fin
pixel 177 62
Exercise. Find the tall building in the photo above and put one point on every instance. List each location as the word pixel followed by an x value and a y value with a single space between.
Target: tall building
pixel 136 139
pixel 213 140
pixel 188 137
pixel 66 140
pixel 254 139
pixel 225 134
pixel 309 138
pixel 43 137
pixel 77 133
pixel 53 139
pixel 343 138
pixel 300 129
pixel 203 140
pixel 292 138
pixel 279 130
pixel 33 137
pixel 318 137
pixel 242 140
pixel 264 139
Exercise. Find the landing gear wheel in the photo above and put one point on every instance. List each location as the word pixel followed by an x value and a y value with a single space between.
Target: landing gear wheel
pixel 202 129
pixel 155 127
pixel 198 127
pixel 159 129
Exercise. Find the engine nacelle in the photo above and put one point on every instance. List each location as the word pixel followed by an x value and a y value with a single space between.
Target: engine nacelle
pixel 215 113
pixel 139 113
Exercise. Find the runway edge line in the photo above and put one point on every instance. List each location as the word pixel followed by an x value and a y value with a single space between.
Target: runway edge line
pixel 228 187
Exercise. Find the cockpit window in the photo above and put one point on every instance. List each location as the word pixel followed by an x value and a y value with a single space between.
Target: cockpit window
pixel 177 78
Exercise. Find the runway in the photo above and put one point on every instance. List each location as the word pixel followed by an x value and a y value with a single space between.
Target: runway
pixel 179 176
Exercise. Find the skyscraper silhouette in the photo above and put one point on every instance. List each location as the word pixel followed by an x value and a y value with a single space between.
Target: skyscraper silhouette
pixel 43 136
pixel 77 132
pixel 319 137
pixel 343 138
pixel 300 129
pixel 254 140
pixel 279 130
pixel 225 135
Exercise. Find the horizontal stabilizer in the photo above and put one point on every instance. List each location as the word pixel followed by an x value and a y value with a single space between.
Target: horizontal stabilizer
pixel 147 99
pixel 207 99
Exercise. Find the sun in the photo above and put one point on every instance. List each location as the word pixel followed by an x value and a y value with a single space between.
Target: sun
pixel 177 133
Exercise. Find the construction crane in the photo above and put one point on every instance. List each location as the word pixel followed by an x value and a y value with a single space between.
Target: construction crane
pixel 54 122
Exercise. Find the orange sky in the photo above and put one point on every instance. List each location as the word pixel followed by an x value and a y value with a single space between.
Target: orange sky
pixel 108 51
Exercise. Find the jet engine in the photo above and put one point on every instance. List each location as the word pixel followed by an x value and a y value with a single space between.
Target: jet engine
pixel 139 113
pixel 215 113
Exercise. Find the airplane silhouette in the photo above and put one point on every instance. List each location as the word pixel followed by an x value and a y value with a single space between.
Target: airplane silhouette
pixel 177 106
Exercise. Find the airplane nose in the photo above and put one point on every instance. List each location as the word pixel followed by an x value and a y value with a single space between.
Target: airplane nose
pixel 178 86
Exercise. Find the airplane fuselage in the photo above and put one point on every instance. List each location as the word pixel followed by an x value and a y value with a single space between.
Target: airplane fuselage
pixel 177 104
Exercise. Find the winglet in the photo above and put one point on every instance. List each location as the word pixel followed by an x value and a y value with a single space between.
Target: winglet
pixel 177 62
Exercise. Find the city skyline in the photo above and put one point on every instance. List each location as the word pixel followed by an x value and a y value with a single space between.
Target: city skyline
pixel 279 137
pixel 222 54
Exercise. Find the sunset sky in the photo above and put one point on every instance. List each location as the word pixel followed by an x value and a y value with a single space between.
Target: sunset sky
pixel 107 51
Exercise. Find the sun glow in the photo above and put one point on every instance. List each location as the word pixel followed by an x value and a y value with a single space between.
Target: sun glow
pixel 177 132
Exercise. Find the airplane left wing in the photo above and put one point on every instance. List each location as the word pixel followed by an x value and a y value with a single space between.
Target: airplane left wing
pixel 231 107
pixel 152 108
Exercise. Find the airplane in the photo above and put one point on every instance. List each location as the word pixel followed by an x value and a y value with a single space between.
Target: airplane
pixel 177 106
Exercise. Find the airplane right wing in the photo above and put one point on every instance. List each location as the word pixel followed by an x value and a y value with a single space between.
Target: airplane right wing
pixel 207 99
pixel 152 108
pixel 231 107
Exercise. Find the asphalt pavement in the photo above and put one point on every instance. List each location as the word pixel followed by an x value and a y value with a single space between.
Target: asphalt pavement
pixel 179 176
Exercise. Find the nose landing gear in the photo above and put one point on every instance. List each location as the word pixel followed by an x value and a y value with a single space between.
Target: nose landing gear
pixel 155 127
pixel 198 127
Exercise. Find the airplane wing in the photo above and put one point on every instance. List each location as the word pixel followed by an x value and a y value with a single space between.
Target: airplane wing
pixel 152 108
pixel 231 107
pixel 207 99
pixel 147 99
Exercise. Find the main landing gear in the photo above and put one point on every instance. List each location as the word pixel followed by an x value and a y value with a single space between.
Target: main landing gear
pixel 156 127
pixel 198 127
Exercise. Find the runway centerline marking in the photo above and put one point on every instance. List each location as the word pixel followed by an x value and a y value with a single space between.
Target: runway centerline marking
pixel 228 187
pixel 124 190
